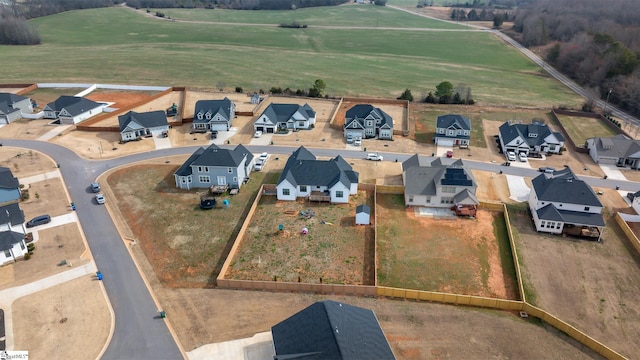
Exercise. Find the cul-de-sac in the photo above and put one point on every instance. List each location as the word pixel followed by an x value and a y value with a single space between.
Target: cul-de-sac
pixel 319 179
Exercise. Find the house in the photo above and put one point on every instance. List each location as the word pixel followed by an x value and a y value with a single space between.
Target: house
pixel 215 166
pixel 635 201
pixel 12 106
pixel 331 330
pixel 285 117
pixel 255 98
pixel 441 183
pixel 72 109
pixel 9 186
pixel 214 115
pixel 529 138
pixel 366 121
pixel 560 203
pixel 133 124
pixel 619 150
pixel 452 130
pixel 321 180
pixel 363 215
pixel 12 246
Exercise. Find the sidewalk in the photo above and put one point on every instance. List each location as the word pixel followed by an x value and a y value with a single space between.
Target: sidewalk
pixel 40 177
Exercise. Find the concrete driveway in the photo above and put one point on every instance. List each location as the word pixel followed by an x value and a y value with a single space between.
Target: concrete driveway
pixel 518 188
pixel 159 141
pixel 612 171
pixel 265 139
pixel 441 150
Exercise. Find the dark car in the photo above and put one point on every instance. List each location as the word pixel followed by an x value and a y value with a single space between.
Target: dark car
pixel 546 169
pixel 39 220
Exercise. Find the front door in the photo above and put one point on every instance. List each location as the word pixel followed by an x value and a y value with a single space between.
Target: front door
pixel 222 180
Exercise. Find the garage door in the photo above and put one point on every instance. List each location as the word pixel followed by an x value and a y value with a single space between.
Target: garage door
pixel 219 127
pixel 353 134
pixel 270 130
pixel 445 142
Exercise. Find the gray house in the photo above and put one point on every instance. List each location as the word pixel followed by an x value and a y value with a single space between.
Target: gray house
pixel 619 150
pixel 215 166
pixel 320 180
pixel 12 106
pixel 442 183
pixel 285 117
pixel 9 186
pixel 452 130
pixel 529 138
pixel 12 244
pixel 214 115
pixel 72 109
pixel 366 121
pixel 331 330
pixel 133 124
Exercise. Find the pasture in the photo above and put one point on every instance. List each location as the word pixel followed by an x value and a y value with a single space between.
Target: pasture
pixel 129 47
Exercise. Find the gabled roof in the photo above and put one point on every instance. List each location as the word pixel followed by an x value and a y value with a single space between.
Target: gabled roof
pixel 465 196
pixel 618 146
pixel 215 156
pixel 302 168
pixel 7 100
pixel 509 132
pixel 424 180
pixel 551 213
pixel 564 187
pixel 453 120
pixel 11 214
pixel 328 330
pixel 279 113
pixel 359 112
pixel 414 160
pixel 363 209
pixel 9 238
pixel 222 107
pixel 185 168
pixel 74 105
pixel 7 180
pixel 144 120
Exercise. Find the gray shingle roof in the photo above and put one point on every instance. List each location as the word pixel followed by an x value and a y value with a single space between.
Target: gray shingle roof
pixel 7 180
pixel 328 330
pixel 455 120
pixel 9 238
pixel 75 105
pixel 279 113
pixel 564 187
pixel 551 213
pixel 302 168
pixel 146 119
pixel 223 107
pixel 215 156
pixel 509 131
pixel 423 180
pixel 618 146
pixel 11 214
pixel 360 111
pixel 363 209
pixel 7 100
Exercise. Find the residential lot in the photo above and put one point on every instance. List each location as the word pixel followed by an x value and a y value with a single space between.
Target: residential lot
pixel 581 128
pixel 460 256
pixel 590 285
pixel 334 250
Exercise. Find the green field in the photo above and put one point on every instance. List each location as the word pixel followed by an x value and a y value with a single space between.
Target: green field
pixel 118 45
pixel 582 128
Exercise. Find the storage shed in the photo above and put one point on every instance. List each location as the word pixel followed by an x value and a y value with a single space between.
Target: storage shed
pixel 363 215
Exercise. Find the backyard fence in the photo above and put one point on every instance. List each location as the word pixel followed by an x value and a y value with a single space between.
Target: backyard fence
pixel 580 147
pixel 390 189
pixel 633 239
pixel 333 289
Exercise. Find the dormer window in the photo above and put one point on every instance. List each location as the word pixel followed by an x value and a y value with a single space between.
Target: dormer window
pixel 208 116
pixel 199 116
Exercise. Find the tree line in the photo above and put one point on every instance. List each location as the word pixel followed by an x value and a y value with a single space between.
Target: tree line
pixel 234 4
pixel 597 43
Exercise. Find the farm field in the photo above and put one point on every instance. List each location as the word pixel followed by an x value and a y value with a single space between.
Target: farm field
pixel 335 250
pixel 582 128
pixel 138 49
pixel 589 285
pixel 460 256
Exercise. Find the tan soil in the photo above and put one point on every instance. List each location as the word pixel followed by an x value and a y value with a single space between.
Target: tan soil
pixel 491 187
pixel 119 99
pixel 24 162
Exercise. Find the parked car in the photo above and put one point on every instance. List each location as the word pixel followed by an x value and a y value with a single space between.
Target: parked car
pixel 449 154
pixel 257 134
pixel 258 165
pixel 214 134
pixel 357 142
pixel 95 187
pixel 511 156
pixel 349 139
pixel 522 157
pixel 546 169
pixel 374 157
pixel 263 157
pixel 100 198
pixel 39 220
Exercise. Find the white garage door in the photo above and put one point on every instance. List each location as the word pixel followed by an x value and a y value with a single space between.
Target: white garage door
pixel 445 142
pixel 219 127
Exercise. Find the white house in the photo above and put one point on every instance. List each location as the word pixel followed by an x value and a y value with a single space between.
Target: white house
pixel 12 106
pixel 560 203
pixel 366 121
pixel 321 180
pixel 285 117
pixel 133 124
pixel 12 230
pixel 619 150
pixel 529 138
pixel 72 109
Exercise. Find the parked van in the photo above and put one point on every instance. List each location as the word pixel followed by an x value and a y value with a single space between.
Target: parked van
pixel 39 220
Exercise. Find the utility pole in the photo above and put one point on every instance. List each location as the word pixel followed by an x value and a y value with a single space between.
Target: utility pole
pixel 607 102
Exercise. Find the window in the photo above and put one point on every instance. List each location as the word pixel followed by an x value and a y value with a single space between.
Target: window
pixel 446 200
pixel 204 179
pixel 557 225
pixel 303 188
pixel 203 169
pixel 448 189
pixel 440 131
pixel 466 132
pixel 339 194
pixel 200 116
pixel 208 116
pixel 7 253
pixel 235 179
pixel 542 223
pixel 230 170
pixel 22 245
pixel 286 192
pixel 369 123
pixel 428 199
pixel 183 180
pixel 410 198
pixel 586 208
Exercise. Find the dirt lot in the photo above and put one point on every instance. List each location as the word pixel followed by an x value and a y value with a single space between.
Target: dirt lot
pixel 491 187
pixel 459 256
pixel 119 98
pixel 101 145
pixel 335 250
pixel 242 101
pixel 588 284
pixel 69 321
pixel 23 162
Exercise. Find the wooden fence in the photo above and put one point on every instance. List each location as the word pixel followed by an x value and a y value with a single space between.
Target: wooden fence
pixel 633 239
pixel 333 289
pixel 390 189
pixel 568 140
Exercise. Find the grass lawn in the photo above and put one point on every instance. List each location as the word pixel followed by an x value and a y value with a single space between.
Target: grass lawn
pixel 335 250
pixel 185 245
pixel 131 48
pixel 582 128
pixel 461 256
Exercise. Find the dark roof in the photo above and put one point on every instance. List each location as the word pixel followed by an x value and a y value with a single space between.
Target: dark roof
pixel 9 238
pixel 302 168
pixel 185 168
pixel 423 180
pixel 146 119
pixel 7 180
pixel 360 111
pixel 414 160
pixel 328 330
pixel 509 131
pixel 363 209
pixel 215 156
pixel 551 213
pixel 564 187
pixel 7 100
pixel 213 107
pixel 279 113
pixel 453 120
pixel 75 105
pixel 11 214
pixel 618 147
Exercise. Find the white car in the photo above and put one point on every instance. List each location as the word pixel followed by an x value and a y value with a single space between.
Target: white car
pixel 257 134
pixel 511 156
pixel 374 157
pixel 263 157
pixel 258 166
pixel 357 142
pixel 522 157
pixel 100 199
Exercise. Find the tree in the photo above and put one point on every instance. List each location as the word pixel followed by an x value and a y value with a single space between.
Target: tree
pixel 445 88
pixel 498 20
pixel 380 2
pixel 430 98
pixel 406 95
pixel 318 88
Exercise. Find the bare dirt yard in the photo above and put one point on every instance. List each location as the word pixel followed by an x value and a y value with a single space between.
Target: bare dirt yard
pixel 492 187
pixel 460 256
pixel 118 98
pixel 101 145
pixel 590 285
pixel 24 162
pixel 334 251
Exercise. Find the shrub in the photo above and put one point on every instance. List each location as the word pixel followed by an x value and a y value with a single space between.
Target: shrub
pixel 31 247
pixel 238 89
pixel 27 256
